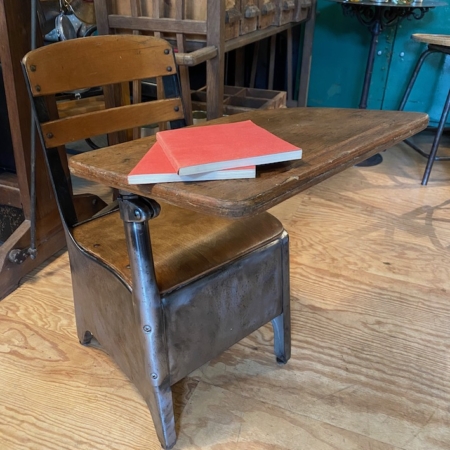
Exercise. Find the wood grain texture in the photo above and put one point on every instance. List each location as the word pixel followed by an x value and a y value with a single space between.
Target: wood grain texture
pixel 331 139
pixel 370 339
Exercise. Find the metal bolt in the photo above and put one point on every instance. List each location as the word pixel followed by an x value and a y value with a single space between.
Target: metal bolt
pixel 38 88
pixel 137 214
pixel 166 51
pixel 154 376
pixel 49 135
pixel 33 68
pixel 176 108
pixel 147 328
pixel 169 69
pixel 402 54
pixel 380 52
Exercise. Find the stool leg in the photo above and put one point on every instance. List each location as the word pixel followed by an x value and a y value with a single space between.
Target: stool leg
pixel 436 141
pixel 421 60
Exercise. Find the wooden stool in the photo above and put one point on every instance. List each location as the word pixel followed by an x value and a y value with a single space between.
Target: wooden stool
pixel 437 43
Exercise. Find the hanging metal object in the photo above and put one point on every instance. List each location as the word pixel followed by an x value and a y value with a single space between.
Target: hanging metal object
pixel 83 10
pixel 64 27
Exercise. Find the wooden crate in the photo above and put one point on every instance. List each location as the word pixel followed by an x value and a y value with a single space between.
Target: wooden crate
pixel 268 10
pixel 240 99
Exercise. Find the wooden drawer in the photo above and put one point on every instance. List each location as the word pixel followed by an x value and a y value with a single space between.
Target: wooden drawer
pixel 250 15
pixel 302 10
pixel 286 10
pixel 233 18
pixel 268 10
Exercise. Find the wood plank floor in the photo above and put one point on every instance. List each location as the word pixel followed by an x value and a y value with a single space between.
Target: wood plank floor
pixel 370 365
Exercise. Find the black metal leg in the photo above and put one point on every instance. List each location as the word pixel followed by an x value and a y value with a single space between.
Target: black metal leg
pixel 375 30
pixel 414 75
pixel 436 141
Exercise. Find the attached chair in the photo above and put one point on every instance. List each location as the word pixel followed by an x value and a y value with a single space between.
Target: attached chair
pixel 437 43
pixel 198 284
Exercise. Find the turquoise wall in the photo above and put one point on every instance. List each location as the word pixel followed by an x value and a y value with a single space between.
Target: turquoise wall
pixel 340 52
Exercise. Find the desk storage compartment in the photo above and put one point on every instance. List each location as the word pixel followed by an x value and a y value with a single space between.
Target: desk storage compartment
pixel 240 99
pixel 285 12
pixel 250 16
pixel 268 10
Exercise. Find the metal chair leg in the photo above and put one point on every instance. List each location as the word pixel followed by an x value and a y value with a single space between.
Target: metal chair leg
pixel 436 141
pixel 414 75
pixel 282 324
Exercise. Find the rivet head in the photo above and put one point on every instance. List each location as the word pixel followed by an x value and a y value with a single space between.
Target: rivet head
pixel 169 69
pixel 49 135
pixel 137 214
pixel 154 376
pixel 166 51
pixel 38 88
pixel 147 328
pixel 176 108
pixel 33 68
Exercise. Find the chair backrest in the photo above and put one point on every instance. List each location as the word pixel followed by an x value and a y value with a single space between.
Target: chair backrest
pixel 111 62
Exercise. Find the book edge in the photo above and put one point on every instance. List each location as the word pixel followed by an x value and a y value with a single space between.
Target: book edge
pixel 234 163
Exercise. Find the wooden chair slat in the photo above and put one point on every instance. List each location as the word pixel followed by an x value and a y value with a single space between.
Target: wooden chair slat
pixel 161 25
pixel 70 129
pixel 112 60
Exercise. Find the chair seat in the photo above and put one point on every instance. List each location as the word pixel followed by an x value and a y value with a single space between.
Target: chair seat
pixel 186 245
pixel 435 39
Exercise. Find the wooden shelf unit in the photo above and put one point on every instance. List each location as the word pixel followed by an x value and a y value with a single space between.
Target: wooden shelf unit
pixel 221 25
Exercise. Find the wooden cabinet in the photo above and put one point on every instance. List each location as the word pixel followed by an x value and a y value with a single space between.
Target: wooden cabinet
pixel 220 25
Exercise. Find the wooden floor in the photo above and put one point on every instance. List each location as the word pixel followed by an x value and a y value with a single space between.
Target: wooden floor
pixel 370 367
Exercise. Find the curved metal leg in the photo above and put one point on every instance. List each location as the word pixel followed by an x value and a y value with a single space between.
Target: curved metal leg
pixel 155 382
pixel 413 78
pixel 436 141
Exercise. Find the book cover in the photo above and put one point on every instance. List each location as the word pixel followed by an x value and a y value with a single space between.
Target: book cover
pixel 209 148
pixel 155 167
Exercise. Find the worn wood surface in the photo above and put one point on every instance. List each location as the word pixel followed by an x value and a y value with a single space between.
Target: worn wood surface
pixel 331 139
pixel 45 65
pixel 371 332
pixel 15 41
pixel 114 61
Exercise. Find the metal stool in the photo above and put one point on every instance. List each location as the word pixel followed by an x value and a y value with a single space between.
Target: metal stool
pixel 437 43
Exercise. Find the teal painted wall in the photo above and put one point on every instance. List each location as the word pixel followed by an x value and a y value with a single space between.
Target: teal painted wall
pixel 340 52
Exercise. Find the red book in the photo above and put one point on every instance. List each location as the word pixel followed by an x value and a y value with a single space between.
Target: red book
pixel 155 167
pixel 215 147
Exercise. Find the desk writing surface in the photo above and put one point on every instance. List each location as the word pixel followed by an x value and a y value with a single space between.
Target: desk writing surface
pixel 331 139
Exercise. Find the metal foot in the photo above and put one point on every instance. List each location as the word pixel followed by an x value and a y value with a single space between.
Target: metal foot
pixel 87 338
pixel 282 338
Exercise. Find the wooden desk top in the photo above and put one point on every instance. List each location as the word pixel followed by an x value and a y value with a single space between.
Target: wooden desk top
pixel 331 139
